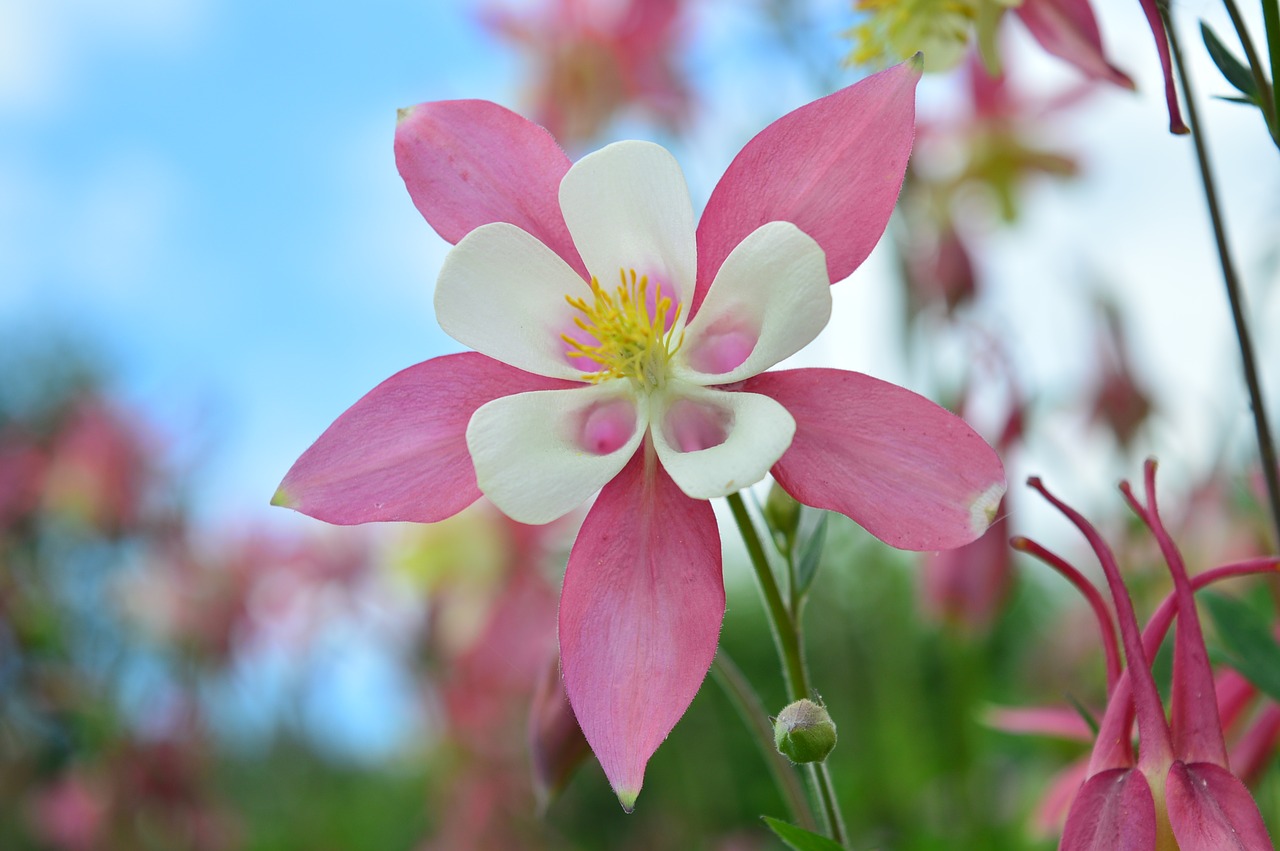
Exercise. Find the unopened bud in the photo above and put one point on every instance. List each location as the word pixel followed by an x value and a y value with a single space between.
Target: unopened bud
pixel 804 732
pixel 782 513
pixel 556 744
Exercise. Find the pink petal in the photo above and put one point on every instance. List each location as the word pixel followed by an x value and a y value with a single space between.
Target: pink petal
pixel 1251 754
pixel 1068 30
pixel 468 163
pixel 1152 11
pixel 1057 721
pixel 639 617
pixel 914 475
pixel 1211 810
pixel 833 168
pixel 400 453
pixel 1112 810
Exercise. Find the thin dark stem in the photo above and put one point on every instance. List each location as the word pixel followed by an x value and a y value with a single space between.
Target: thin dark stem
pixel 786 636
pixel 744 699
pixel 1235 295
pixel 1255 66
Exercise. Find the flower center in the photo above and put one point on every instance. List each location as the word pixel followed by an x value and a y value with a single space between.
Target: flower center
pixel 632 336
pixel 893 30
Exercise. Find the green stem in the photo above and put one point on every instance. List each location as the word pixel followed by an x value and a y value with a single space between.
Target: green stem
pixel 786 636
pixel 1235 294
pixel 1265 94
pixel 744 699
pixel 1271 18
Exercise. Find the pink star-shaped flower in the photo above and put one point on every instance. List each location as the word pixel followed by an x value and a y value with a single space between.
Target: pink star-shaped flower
pixel 621 349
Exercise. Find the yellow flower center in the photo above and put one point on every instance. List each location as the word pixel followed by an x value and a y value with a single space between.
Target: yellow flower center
pixel 893 30
pixel 633 339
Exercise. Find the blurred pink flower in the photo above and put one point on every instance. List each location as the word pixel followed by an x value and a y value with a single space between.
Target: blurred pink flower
pixel 216 598
pixel 1180 789
pixel 654 392
pixel 593 58
pixel 99 468
pixel 487 676
pixel 1119 402
pixel 22 466
pixel 69 814
pixel 944 29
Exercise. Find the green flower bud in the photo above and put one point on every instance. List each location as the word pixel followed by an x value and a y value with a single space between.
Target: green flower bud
pixel 782 513
pixel 804 732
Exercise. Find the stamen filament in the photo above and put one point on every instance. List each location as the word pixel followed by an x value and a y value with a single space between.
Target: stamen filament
pixel 631 342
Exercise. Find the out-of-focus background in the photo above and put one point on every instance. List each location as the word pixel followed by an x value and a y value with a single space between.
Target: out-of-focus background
pixel 206 255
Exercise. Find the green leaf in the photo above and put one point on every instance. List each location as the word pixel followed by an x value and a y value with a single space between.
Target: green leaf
pixel 811 537
pixel 1236 72
pixel 1246 635
pixel 1235 99
pixel 800 839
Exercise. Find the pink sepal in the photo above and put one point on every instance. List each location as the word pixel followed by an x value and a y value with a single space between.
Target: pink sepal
pixel 400 453
pixel 1069 30
pixel 1152 11
pixel 468 163
pixel 1112 810
pixel 913 474
pixel 1211 810
pixel 1056 721
pixel 833 168
pixel 640 617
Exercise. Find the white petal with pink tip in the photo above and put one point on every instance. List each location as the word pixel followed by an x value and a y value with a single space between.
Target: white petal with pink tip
pixel 540 455
pixel 770 299
pixel 714 443
pixel 627 207
pixel 502 292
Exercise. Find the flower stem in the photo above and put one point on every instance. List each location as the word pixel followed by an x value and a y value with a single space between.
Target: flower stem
pixel 738 689
pixel 1235 295
pixel 786 637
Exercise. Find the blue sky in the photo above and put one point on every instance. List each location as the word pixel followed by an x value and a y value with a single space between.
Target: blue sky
pixel 207 195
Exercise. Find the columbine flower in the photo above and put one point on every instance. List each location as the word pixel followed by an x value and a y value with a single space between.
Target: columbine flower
pixel 622 351
pixel 943 29
pixel 1180 791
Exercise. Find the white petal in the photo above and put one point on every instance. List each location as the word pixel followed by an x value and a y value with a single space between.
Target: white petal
pixel 502 292
pixel 744 435
pixel 627 207
pixel 769 300
pixel 538 455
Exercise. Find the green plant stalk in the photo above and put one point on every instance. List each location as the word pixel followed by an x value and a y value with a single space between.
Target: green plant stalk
pixel 786 637
pixel 1271 19
pixel 1235 294
pixel 1265 93
pixel 738 689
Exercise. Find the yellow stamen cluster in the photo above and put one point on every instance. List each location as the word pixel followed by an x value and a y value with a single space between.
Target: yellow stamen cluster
pixel 894 30
pixel 631 341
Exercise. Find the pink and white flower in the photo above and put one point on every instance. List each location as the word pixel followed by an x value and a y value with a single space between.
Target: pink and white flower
pixel 622 349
